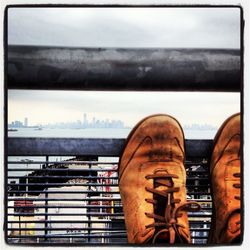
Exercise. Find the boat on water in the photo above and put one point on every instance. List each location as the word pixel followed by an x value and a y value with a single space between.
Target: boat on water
pixel 38 128
pixel 12 129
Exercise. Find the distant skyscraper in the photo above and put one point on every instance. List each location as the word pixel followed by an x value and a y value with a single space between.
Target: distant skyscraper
pixel 26 122
pixel 85 119
pixel 94 122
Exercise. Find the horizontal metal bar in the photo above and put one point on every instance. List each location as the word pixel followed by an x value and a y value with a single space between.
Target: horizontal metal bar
pixel 197 178
pixel 94 214
pixel 84 192
pixel 113 222
pixel 199 229
pixel 90 178
pixel 200 186
pixel 37 67
pixel 54 236
pixel 189 163
pixel 119 235
pixel 63 192
pixel 75 206
pixel 18 146
pixel 76 162
pixel 117 230
pixel 199 237
pixel 63 242
pixel 91 199
pixel 201 200
pixel 64 185
pixel 65 214
pixel 88 199
pixel 62 199
pixel 65 177
pixel 92 163
pixel 106 221
pixel 198 172
pixel 68 206
pixel 64 222
pixel 192 216
pixel 198 193
pixel 190 187
pixel 69 170
pixel 193 222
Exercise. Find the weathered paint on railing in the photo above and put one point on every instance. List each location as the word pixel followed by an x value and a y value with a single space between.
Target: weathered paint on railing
pixel 34 67
pixel 32 146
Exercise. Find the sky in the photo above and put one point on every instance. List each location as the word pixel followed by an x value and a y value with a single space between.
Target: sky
pixel 130 107
pixel 124 27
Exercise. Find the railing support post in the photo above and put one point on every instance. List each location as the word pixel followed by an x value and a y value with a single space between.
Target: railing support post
pixel 46 199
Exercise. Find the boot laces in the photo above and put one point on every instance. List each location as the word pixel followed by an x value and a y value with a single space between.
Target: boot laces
pixel 237 185
pixel 169 222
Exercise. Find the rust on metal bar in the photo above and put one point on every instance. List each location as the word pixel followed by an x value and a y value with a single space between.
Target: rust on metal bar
pixel 36 67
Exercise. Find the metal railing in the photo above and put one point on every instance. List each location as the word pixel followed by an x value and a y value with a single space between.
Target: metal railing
pixel 65 191
pixel 158 69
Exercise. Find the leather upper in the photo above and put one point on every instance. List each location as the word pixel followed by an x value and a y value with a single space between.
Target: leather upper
pixel 225 177
pixel 156 145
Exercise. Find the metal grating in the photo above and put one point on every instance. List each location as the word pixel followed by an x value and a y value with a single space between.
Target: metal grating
pixel 76 200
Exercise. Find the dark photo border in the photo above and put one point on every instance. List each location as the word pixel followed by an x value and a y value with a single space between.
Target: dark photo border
pixel 140 88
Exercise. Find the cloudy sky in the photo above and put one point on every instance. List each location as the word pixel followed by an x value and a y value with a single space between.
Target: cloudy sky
pixel 124 27
pixel 187 107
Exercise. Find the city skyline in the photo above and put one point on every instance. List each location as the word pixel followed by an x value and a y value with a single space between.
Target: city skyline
pixel 96 123
pixel 43 107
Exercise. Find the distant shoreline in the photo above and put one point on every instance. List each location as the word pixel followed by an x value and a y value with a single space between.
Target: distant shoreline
pixel 184 128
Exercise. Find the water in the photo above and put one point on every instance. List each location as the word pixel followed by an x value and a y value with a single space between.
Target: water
pixel 99 133
pixel 71 133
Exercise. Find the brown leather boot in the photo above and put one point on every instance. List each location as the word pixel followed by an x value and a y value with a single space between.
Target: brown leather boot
pixel 225 180
pixel 152 182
